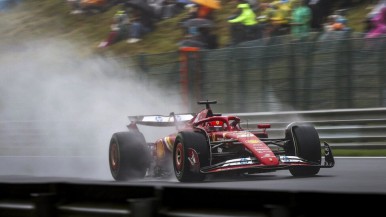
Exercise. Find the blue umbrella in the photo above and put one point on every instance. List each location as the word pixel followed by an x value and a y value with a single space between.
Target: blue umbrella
pixel 184 1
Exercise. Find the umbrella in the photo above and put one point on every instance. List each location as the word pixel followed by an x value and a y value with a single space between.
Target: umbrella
pixel 95 3
pixel 214 4
pixel 184 1
pixel 198 22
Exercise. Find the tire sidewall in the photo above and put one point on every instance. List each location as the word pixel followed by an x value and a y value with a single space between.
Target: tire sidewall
pixel 132 155
pixel 304 142
pixel 194 145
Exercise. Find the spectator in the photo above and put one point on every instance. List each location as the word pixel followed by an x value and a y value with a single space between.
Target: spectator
pixel 168 9
pixel 201 37
pixel 181 5
pixel 265 14
pixel 244 26
pixel 254 4
pixel 192 11
pixel 119 29
pixel 332 24
pixel 157 7
pixel 300 20
pixel 198 11
pixel 373 13
pixel 204 12
pixel 279 20
pixel 317 16
pixel 207 38
pixel 140 24
pixel 379 23
pixel 333 29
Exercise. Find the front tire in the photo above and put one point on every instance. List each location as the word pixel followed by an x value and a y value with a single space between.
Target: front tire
pixel 303 142
pixel 190 153
pixel 129 158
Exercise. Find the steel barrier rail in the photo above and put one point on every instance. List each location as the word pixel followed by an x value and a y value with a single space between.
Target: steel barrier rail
pixel 76 199
pixel 90 200
pixel 344 128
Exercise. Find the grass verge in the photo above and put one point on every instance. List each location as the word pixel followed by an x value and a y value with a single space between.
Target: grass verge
pixel 359 152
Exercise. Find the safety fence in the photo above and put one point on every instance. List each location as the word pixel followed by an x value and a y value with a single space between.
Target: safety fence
pixel 104 199
pixel 341 128
pixel 335 71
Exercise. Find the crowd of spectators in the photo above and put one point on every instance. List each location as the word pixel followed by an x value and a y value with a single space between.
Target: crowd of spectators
pixel 281 17
pixel 376 20
pixel 251 20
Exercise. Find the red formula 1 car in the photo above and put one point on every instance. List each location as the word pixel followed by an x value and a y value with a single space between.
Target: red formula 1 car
pixel 209 143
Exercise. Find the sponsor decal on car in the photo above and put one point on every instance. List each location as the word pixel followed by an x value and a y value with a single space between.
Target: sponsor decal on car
pixel 262 149
pixel 244 160
pixel 244 134
pixel 254 141
pixel 238 161
pixel 241 134
pixel 158 118
pixel 193 160
pixel 290 159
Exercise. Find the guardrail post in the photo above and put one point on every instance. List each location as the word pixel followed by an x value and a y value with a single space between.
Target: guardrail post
pixel 143 207
pixel 44 204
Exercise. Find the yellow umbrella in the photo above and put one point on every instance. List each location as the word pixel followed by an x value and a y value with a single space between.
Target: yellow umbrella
pixel 214 4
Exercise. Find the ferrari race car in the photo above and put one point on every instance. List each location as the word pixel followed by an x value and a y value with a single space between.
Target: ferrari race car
pixel 210 143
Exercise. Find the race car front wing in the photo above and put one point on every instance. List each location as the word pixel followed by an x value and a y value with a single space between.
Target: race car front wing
pixel 251 164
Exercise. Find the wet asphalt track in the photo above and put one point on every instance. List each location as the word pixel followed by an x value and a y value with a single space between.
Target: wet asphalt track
pixel 354 175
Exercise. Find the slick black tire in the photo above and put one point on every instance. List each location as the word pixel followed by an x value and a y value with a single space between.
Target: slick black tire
pixel 129 157
pixel 188 145
pixel 303 142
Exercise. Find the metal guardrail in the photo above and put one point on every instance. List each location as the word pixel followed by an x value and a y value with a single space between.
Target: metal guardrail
pixel 342 128
pixel 58 199
pixel 86 200
pixel 362 127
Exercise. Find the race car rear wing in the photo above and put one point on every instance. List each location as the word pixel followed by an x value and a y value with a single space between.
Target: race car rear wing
pixel 162 120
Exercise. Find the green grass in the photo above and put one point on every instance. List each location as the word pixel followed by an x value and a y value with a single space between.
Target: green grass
pixel 359 152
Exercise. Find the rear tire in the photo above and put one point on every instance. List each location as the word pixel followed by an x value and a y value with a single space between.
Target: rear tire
pixel 190 153
pixel 129 157
pixel 304 143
